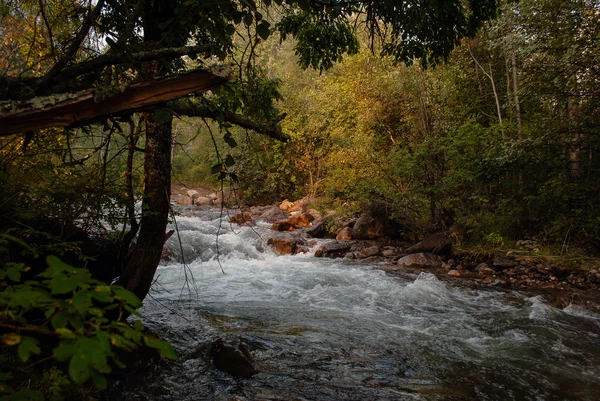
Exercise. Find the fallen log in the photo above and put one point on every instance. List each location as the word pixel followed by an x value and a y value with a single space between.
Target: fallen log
pixel 73 109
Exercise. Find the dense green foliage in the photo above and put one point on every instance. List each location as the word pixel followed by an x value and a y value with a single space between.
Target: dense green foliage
pixel 504 137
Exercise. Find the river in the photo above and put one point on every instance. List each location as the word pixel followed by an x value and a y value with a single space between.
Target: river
pixel 330 329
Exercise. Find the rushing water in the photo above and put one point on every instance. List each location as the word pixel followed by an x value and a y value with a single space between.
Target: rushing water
pixel 321 329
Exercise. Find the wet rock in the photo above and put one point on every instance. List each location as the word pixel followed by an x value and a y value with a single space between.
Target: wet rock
pixel 203 201
pixel 334 249
pixel 439 243
pixel 301 220
pixel 282 225
pixel 234 359
pixel 345 234
pixel 284 246
pixel 300 205
pixel 483 271
pixel 374 224
pixel 272 214
pixel 192 193
pixel 184 200
pixel 213 196
pixel 389 252
pixel 454 273
pixel 420 260
pixel 285 205
pixel 318 230
pixel 370 251
pixel 350 255
pixel 241 218
pixel 371 259
pixel 504 263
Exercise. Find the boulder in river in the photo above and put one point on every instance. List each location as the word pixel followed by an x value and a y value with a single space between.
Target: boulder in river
pixel 184 200
pixel 370 251
pixel 336 249
pixel 284 246
pixel 234 359
pixel 345 234
pixel 420 260
pixel 273 214
pixel 203 201
pixel 320 230
pixel 241 218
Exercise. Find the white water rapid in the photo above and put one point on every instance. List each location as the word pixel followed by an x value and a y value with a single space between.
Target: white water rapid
pixel 328 329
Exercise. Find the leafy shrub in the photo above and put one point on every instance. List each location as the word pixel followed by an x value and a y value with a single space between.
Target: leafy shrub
pixel 65 316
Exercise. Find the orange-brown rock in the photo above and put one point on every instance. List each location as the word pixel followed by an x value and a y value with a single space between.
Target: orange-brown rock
pixel 345 234
pixel 241 218
pixel 284 246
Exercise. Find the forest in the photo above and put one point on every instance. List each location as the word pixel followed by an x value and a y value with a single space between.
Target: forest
pixel 481 113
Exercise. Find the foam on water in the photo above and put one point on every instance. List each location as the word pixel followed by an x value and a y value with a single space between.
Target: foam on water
pixel 328 329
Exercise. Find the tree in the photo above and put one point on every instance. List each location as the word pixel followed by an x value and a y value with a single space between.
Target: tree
pixel 118 44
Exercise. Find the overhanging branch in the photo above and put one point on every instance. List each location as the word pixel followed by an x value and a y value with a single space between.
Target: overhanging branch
pixel 187 108
pixel 84 107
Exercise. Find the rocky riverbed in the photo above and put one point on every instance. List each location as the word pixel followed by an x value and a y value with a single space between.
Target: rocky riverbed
pixel 297 228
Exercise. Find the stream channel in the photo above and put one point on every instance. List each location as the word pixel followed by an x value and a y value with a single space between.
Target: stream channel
pixel 330 329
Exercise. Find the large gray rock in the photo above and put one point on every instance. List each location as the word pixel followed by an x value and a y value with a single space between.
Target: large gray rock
pixel 334 249
pixel 273 214
pixel 420 260
pixel 370 251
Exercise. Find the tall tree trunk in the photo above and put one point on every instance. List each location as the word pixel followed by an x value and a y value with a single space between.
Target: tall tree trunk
pixel 145 256
pixel 575 137
pixel 513 60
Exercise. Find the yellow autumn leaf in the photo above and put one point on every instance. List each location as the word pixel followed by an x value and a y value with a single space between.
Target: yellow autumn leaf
pixel 11 339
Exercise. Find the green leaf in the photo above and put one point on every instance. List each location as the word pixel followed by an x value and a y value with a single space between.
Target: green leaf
pixel 229 161
pixel 127 296
pixel 161 116
pixel 62 283
pixel 263 30
pixel 14 273
pixel 59 321
pixel 66 333
pixel 79 368
pixel 27 347
pixel 64 351
pixel 216 168
pixel 165 348
pixel 228 138
pixel 82 301
pixel 99 381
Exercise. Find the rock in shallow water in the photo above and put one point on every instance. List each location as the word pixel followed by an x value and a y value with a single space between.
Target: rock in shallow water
pixel 234 359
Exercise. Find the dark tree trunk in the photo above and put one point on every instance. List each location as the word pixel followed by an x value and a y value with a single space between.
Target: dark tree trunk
pixel 145 256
